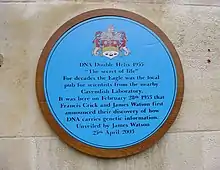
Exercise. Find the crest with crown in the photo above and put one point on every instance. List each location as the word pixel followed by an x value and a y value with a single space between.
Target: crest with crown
pixel 110 43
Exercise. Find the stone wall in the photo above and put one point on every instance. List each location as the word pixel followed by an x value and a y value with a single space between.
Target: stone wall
pixel 27 142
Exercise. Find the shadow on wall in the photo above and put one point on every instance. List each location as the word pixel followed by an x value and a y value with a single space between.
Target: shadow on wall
pixel 1 60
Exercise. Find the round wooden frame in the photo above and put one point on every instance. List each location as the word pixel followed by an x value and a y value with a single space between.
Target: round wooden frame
pixel 98 152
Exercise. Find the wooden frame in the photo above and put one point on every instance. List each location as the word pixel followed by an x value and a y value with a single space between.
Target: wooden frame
pixel 107 153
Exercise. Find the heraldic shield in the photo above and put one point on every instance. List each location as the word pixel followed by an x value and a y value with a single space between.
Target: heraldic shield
pixel 110 43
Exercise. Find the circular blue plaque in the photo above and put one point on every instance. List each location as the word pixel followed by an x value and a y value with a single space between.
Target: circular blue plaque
pixel 110 82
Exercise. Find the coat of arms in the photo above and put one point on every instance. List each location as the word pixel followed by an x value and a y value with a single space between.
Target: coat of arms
pixel 110 43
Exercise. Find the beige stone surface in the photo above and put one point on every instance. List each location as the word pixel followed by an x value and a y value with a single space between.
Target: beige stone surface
pixel 211 150
pixel 191 151
pixel 175 151
pixel 52 154
pixel 17 154
pixel 178 2
pixel 194 31
pixel 200 2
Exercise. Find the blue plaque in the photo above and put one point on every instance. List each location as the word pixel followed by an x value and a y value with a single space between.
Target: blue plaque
pixel 110 82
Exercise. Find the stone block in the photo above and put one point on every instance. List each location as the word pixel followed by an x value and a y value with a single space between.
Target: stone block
pixel 211 150
pixel 17 154
pixel 174 151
